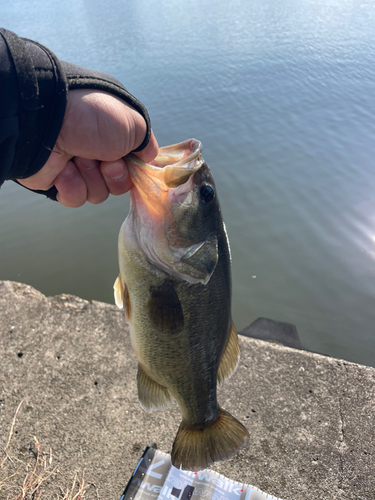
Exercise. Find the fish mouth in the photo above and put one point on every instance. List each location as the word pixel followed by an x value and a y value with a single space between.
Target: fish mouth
pixel 175 155
pixel 173 167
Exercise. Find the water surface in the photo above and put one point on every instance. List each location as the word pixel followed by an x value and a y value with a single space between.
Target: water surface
pixel 282 96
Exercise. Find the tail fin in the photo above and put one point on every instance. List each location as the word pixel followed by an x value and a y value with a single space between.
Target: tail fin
pixel 196 448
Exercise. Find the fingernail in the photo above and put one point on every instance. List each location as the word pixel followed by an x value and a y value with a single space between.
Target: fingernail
pixel 115 171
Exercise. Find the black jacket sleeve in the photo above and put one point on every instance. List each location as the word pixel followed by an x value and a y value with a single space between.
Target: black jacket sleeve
pixel 34 86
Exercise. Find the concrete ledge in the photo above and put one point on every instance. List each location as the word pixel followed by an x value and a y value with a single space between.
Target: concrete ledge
pixel 310 417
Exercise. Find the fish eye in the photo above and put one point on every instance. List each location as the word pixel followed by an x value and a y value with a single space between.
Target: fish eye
pixel 207 193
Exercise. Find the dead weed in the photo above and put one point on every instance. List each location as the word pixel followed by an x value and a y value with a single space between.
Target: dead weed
pixel 26 478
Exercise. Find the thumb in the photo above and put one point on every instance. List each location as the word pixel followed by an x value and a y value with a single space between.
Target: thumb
pixel 149 152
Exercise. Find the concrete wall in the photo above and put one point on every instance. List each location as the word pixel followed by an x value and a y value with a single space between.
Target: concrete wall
pixel 310 417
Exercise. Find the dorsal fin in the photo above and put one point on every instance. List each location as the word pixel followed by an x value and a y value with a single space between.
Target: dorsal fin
pixel 229 359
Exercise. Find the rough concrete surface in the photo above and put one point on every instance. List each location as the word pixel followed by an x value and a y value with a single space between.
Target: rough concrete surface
pixel 310 417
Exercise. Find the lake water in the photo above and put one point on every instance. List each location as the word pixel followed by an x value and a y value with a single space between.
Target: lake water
pixel 282 96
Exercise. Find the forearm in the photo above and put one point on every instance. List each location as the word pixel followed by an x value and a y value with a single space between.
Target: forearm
pixel 33 101
pixel 33 104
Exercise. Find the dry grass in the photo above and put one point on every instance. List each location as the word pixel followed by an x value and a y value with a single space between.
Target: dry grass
pixel 27 478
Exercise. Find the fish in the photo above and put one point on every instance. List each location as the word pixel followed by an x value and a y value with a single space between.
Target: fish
pixel 175 288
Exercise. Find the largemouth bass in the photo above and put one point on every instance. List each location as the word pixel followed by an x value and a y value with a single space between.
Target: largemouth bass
pixel 175 287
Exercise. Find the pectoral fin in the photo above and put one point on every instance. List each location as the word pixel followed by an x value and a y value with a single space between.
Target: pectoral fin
pixel 119 291
pixel 122 298
pixel 165 308
pixel 152 396
pixel 230 357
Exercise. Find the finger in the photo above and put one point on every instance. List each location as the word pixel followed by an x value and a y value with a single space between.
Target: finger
pixel 97 190
pixel 71 187
pixel 116 176
pixel 45 178
pixel 150 152
pixel 99 125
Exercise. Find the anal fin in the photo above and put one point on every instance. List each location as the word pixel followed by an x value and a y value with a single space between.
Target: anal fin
pixel 229 359
pixel 152 396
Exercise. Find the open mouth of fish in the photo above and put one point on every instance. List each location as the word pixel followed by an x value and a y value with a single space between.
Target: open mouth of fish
pixel 173 167
pixel 169 175
pixel 175 155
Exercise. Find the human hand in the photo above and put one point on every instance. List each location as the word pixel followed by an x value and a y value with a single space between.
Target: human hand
pixel 86 162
